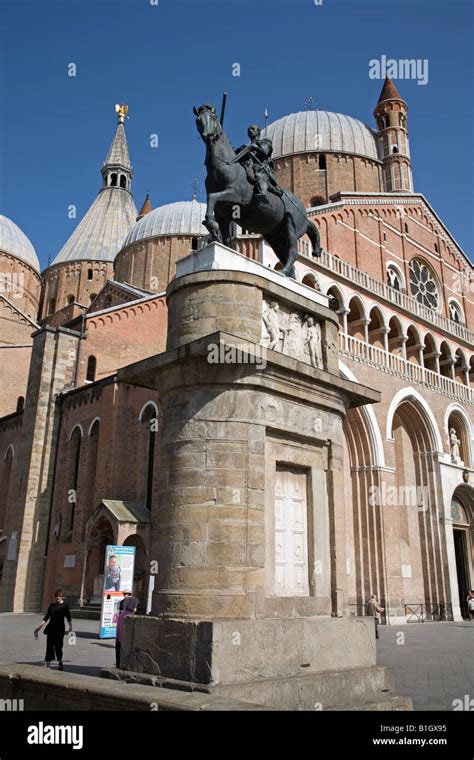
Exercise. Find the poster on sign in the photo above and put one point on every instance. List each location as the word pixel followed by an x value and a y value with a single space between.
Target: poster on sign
pixel 118 578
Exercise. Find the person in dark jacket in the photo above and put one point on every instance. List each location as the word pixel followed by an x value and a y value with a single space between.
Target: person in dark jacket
pixel 55 630
pixel 130 604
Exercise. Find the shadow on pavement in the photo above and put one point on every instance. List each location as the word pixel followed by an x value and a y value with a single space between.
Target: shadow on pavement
pixel 86 635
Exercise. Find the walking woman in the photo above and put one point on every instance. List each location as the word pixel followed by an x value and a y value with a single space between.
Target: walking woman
pixel 55 630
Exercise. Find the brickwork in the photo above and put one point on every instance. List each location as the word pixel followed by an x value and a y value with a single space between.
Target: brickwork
pixel 105 418
pixel 20 284
pixel 369 236
pixel 77 281
pixel 344 173
pixel 151 264
pixel 122 335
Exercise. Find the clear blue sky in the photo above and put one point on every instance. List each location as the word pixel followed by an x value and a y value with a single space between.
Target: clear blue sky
pixel 55 130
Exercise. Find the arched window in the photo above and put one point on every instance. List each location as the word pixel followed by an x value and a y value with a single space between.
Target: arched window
pixel 90 274
pixel 20 404
pixel 70 300
pixel 423 284
pixel 91 369
pixel 395 278
pixel 113 180
pixel 150 420
pixel 455 312
pixel 74 460
pixel 5 484
pixel 322 161
pixel 317 200
pixel 405 226
pixel 87 495
pixel 123 181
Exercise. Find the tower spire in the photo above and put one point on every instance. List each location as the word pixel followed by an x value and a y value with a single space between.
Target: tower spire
pixel 146 208
pixel 392 139
pixel 117 170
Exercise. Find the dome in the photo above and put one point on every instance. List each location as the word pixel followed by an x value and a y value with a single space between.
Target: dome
pixel 15 242
pixel 99 234
pixel 181 218
pixel 309 131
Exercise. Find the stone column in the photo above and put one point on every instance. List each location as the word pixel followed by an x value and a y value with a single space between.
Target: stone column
pixel 344 313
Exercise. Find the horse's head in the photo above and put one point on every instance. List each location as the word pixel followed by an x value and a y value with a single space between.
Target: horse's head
pixel 207 123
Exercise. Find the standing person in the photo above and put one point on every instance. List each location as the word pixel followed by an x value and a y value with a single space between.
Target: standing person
pixel 125 595
pixel 470 605
pixel 130 604
pixel 374 610
pixel 55 630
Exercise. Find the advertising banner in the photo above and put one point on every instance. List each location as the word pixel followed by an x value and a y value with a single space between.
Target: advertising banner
pixel 118 578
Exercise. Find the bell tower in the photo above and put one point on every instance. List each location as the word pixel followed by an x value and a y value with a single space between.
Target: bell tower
pixel 392 140
pixel 116 170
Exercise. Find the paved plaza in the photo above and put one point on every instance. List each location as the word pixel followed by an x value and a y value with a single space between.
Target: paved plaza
pixel 433 662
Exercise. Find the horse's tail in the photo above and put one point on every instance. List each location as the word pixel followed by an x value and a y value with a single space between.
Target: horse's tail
pixel 313 234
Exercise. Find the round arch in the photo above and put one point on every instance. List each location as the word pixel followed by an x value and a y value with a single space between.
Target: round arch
pixel 77 426
pixel 145 405
pixel 334 290
pixel 371 420
pixel 96 419
pixel 11 448
pixel 463 417
pixel 411 394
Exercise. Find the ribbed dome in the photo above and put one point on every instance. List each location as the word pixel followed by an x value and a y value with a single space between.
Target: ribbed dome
pixel 309 131
pixel 15 242
pixel 181 218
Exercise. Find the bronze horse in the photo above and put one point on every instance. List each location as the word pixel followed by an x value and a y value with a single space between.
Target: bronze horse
pixel 230 198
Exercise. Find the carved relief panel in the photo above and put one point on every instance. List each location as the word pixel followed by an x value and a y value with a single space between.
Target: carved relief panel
pixel 294 333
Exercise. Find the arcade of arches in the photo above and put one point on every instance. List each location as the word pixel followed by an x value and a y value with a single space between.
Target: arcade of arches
pixel 399 536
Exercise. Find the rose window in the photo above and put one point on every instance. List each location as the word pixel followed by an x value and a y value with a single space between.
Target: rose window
pixel 422 284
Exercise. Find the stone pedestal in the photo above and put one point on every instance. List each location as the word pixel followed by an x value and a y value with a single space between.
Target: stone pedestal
pixel 248 528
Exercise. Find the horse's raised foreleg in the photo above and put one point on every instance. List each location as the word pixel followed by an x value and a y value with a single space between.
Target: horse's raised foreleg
pixel 210 221
pixel 289 268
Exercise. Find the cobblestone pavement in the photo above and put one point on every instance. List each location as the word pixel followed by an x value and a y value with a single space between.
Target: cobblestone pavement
pixel 433 662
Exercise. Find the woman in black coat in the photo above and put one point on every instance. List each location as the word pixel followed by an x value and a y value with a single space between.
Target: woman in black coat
pixel 55 629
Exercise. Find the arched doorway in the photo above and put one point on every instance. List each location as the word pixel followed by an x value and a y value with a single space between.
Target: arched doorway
pixel 420 511
pixel 462 510
pixel 100 536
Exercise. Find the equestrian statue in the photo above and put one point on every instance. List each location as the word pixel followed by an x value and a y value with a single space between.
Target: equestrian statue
pixel 241 187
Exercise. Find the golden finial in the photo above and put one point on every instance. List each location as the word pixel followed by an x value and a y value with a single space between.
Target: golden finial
pixel 122 111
